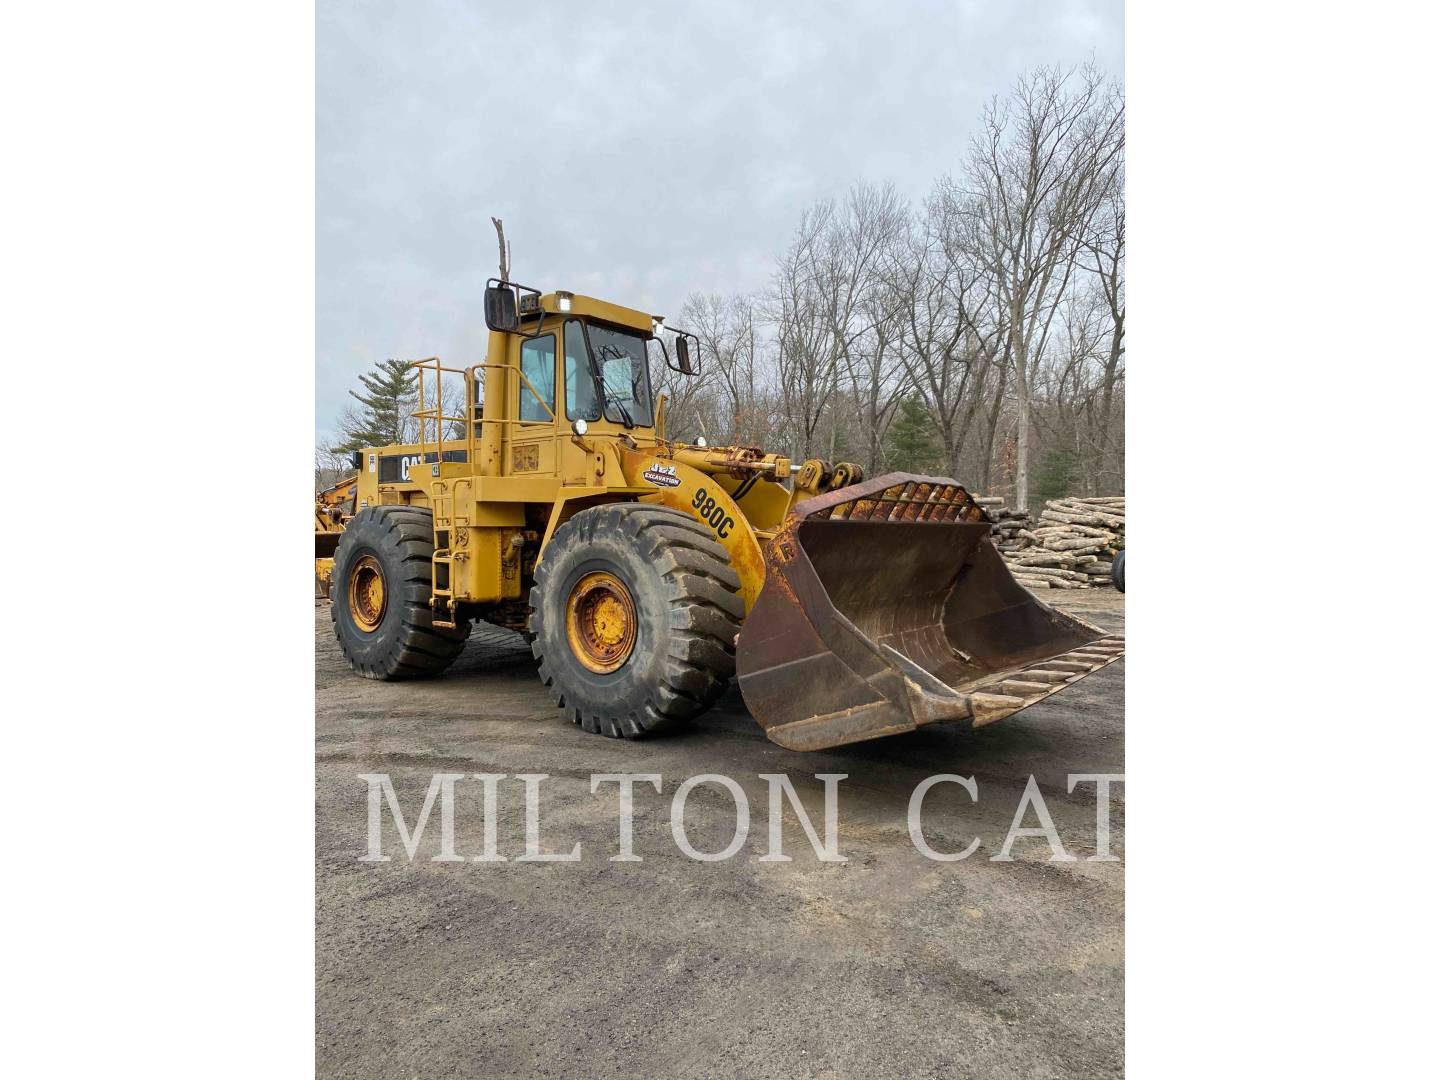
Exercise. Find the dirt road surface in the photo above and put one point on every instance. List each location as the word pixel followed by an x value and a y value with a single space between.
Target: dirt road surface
pixel 888 964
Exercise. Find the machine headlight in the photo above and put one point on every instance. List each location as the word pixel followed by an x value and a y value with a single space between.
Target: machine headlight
pixel 562 303
pixel 580 427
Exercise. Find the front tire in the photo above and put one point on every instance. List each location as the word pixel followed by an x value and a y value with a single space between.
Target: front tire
pixel 380 596
pixel 635 610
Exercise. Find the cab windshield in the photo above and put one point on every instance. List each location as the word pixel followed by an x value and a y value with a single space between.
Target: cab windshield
pixel 620 362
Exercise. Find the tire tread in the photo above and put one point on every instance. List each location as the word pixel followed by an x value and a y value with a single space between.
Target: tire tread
pixel 403 537
pixel 702 591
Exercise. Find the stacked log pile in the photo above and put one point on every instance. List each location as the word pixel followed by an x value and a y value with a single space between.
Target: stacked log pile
pixel 1072 546
pixel 1009 523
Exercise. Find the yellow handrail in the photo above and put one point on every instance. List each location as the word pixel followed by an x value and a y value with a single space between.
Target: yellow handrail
pixel 426 413
pixel 437 414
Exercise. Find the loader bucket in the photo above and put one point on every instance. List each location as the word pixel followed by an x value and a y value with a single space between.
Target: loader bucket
pixel 886 607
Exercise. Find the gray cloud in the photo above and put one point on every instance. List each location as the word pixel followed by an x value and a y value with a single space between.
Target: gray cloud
pixel 637 152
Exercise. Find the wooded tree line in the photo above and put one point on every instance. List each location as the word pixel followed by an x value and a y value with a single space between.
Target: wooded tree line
pixel 980 335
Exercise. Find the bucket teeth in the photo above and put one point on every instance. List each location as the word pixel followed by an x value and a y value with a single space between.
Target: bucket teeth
pixel 987 708
pixel 1042 675
pixel 1025 687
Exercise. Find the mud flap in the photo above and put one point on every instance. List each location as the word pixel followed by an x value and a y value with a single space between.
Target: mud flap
pixel 886 607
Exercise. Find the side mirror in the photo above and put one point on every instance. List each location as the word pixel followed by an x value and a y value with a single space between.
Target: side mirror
pixel 687 353
pixel 500 312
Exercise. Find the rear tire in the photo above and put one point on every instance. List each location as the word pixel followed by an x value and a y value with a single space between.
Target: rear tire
pixel 1117 571
pixel 386 631
pixel 663 651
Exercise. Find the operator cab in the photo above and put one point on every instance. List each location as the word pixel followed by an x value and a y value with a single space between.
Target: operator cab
pixel 607 354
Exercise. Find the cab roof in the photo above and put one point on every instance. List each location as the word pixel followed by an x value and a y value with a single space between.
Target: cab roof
pixel 590 308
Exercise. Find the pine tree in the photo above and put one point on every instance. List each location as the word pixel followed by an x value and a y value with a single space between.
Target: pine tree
pixel 1056 476
pixel 388 398
pixel 913 446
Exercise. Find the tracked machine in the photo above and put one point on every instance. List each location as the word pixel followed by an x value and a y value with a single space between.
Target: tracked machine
pixel 647 572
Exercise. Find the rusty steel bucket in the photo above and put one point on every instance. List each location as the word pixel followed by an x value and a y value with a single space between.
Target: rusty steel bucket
pixel 886 607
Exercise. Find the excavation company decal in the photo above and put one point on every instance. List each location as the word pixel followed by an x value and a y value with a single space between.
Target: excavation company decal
pixel 662 475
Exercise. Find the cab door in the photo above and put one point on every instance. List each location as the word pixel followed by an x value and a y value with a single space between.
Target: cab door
pixel 577 466
pixel 532 440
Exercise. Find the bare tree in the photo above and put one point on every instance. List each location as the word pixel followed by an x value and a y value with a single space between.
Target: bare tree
pixel 863 314
pixel 1036 177
pixel 731 347
pixel 877 375
pixel 1105 254
pixel 805 358
pixel 948 335
pixel 827 303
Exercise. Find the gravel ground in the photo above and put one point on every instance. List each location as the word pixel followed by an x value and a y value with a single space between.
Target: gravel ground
pixel 888 964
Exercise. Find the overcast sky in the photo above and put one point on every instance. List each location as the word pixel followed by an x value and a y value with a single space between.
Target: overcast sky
pixel 636 151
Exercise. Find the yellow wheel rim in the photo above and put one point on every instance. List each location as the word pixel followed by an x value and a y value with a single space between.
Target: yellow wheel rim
pixel 600 622
pixel 367 594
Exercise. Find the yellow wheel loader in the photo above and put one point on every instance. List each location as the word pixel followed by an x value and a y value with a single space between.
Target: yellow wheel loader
pixel 334 506
pixel 648 572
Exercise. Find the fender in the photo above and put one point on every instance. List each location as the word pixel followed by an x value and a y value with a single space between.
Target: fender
pixel 687 489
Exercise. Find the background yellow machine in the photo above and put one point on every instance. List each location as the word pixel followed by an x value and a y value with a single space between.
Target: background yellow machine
pixel 334 506
pixel 646 572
